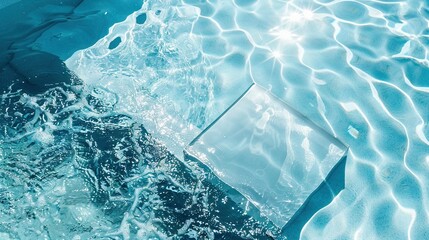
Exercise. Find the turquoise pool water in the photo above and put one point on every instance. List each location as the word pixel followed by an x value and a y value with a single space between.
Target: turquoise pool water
pixel 94 150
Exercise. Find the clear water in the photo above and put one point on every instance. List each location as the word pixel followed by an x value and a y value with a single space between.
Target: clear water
pixel 272 156
pixel 83 153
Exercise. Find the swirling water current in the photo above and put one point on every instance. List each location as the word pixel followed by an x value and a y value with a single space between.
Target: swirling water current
pixel 85 152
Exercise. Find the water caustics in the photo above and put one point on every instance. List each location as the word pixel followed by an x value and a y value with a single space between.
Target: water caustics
pixel 75 161
pixel 358 69
pixel 163 77
pixel 268 152
pixel 159 73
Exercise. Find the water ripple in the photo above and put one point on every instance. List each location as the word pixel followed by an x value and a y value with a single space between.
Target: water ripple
pixel 358 68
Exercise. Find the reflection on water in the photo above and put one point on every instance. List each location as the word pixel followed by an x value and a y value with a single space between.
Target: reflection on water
pixel 357 68
pixel 73 167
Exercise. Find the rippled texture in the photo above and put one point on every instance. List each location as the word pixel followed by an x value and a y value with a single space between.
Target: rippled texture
pixel 72 167
pixel 357 68
pixel 154 69
pixel 161 72
pixel 269 153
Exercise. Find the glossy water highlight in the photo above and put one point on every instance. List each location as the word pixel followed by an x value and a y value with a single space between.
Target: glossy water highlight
pixel 357 68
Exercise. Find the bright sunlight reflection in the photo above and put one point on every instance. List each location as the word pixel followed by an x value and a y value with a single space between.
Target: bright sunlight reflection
pixel 299 16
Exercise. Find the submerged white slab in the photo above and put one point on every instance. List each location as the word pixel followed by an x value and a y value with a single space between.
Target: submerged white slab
pixel 268 152
pixel 158 73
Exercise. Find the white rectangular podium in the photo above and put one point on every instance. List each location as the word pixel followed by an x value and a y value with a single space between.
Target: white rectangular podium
pixel 271 154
